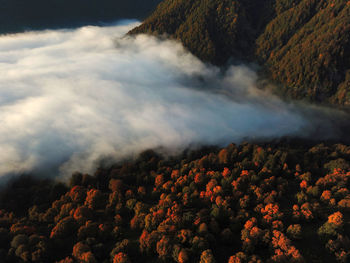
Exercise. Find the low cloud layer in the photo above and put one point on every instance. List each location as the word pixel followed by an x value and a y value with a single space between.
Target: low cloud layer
pixel 68 97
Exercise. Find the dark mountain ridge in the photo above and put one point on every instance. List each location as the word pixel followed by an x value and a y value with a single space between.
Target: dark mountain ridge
pixel 303 46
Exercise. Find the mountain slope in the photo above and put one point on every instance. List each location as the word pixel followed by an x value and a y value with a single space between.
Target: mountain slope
pixel 307 48
pixel 303 45
pixel 212 30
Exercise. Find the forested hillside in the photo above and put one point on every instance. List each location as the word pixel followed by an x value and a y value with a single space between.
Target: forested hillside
pixel 269 202
pixel 303 46
pixel 20 15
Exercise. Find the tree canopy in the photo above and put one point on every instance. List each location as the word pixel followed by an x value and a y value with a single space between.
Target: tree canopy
pixel 263 202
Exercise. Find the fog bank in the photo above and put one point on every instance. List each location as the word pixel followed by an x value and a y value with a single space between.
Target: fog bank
pixel 69 97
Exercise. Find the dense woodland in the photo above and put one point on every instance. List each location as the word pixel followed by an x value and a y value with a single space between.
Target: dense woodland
pixel 302 45
pixel 21 15
pixel 263 202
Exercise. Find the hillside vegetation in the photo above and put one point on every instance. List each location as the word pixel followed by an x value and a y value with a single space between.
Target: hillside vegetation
pixel 244 203
pixel 303 45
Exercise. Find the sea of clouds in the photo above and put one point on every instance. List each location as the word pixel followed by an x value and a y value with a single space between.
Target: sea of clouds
pixel 70 97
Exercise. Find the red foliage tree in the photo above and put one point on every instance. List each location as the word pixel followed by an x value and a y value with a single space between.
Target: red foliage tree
pixel 121 258
pixel 164 247
pixel 95 199
pixel 77 194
